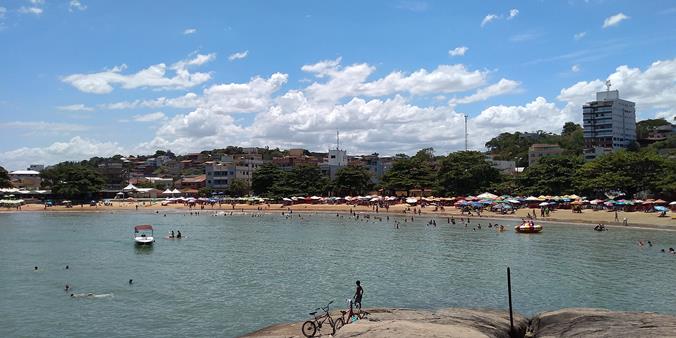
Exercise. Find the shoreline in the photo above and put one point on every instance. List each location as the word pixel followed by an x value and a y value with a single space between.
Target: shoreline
pixel 637 220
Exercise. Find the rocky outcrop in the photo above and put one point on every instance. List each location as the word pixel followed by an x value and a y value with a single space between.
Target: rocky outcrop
pixel 602 323
pixel 453 322
pixel 393 323
pixel 456 322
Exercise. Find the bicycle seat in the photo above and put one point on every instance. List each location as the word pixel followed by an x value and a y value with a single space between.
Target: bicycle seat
pixel 313 313
pixel 343 312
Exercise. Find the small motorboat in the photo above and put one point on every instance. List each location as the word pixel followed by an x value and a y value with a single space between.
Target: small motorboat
pixel 143 234
pixel 528 228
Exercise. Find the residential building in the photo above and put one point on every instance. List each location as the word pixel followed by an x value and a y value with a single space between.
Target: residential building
pixel 219 175
pixel 25 179
pixel 609 124
pixel 115 174
pixel 193 182
pixel 538 151
pixel 505 167
pixel 335 160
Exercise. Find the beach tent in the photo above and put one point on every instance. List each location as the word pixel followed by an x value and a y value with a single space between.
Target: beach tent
pixel 167 192
pixel 175 191
pixel 130 187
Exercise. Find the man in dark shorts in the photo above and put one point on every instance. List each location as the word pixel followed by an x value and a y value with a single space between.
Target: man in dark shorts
pixel 357 295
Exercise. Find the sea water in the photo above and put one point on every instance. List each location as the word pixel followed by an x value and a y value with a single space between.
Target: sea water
pixel 231 275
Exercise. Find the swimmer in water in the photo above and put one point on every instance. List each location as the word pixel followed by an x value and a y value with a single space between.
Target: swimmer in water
pixel 66 288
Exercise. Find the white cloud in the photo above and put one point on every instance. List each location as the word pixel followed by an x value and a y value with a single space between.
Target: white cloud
pixel 614 20
pixel 153 76
pixel 42 126
pixel 76 5
pixel 575 68
pixel 351 81
pixel 189 31
pixel 30 10
pixel 653 89
pixel 502 87
pixel 579 36
pixel 536 115
pixel 189 100
pixel 75 149
pixel 488 19
pixel 3 11
pixel 152 117
pixel 513 13
pixel 238 55
pixel 75 107
pixel 458 51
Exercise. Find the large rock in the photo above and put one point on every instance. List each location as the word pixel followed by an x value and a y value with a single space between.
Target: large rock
pixel 393 323
pixel 453 322
pixel 582 322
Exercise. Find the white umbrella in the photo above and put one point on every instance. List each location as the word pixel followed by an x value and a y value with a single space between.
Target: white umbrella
pixel 543 204
pixel 487 195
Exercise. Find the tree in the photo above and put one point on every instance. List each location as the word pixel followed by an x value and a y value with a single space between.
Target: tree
pixel 72 180
pixel 411 172
pixel 628 172
pixel 306 179
pixel 4 179
pixel 204 192
pixel 466 172
pixel 265 178
pixel 352 180
pixel 551 175
pixel 238 188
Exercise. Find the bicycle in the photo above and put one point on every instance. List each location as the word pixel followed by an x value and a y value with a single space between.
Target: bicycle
pixel 351 315
pixel 311 327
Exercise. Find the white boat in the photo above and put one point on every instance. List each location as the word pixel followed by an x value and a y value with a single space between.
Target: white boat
pixel 143 234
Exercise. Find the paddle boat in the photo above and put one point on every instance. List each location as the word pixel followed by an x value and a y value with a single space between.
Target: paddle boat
pixel 528 228
pixel 143 234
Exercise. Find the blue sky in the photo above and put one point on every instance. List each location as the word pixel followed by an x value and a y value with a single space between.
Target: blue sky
pixel 393 76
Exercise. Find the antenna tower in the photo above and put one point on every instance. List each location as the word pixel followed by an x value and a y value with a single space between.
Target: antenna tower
pixel 465 132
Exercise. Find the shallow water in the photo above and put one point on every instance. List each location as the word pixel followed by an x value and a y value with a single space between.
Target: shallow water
pixel 234 274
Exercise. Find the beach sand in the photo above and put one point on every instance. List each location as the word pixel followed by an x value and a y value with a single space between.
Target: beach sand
pixel 634 219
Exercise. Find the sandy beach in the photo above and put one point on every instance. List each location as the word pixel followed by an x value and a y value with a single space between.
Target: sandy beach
pixel 634 219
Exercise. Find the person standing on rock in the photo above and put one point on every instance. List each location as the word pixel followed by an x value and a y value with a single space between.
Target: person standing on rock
pixel 357 295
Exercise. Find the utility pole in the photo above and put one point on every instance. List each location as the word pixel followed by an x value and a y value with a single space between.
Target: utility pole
pixel 337 139
pixel 465 132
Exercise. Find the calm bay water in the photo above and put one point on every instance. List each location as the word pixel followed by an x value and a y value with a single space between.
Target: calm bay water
pixel 234 274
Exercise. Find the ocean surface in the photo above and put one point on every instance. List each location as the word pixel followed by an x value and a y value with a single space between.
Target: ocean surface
pixel 231 275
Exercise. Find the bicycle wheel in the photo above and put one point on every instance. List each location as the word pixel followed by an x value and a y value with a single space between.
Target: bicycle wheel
pixel 339 324
pixel 309 329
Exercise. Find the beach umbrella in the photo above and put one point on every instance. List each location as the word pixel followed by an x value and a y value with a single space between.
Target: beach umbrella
pixel 661 208
pixel 543 204
pixel 487 195
pixel 660 201
pixel 672 203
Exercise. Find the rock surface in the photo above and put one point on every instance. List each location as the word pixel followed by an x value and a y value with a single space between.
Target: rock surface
pixel 581 322
pixel 393 323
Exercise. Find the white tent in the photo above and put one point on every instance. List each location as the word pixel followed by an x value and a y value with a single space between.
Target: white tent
pixel 175 191
pixel 130 187
pixel 167 192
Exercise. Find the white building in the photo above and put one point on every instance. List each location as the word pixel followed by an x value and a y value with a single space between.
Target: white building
pixel 25 179
pixel 219 175
pixel 609 124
